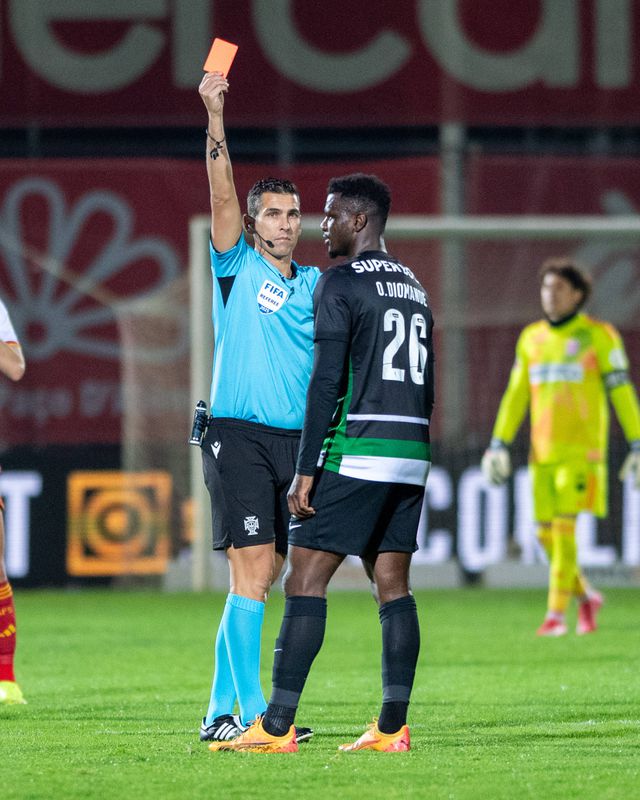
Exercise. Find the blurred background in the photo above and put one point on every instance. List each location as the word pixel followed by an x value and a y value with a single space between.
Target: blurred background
pixel 508 131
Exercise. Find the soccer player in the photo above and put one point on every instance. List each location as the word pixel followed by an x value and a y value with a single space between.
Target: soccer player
pixel 11 365
pixel 566 366
pixel 263 354
pixel 369 401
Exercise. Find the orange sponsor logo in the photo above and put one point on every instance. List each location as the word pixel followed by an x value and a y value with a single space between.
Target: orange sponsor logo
pixel 118 523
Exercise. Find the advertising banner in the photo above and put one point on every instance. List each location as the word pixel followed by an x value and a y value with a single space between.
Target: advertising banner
pixel 303 64
pixel 94 270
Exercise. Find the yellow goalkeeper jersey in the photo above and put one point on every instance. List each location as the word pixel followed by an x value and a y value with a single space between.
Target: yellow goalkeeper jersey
pixel 563 373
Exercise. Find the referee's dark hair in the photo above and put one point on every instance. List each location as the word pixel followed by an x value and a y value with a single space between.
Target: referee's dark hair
pixel 568 269
pixel 368 193
pixel 273 185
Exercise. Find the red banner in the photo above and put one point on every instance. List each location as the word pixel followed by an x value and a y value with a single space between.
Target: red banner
pixel 94 271
pixel 503 62
pixel 88 249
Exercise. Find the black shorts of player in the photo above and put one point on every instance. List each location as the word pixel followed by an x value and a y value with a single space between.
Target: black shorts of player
pixel 358 517
pixel 248 469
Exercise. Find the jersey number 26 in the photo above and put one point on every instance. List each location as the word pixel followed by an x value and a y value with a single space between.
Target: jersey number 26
pixel 393 320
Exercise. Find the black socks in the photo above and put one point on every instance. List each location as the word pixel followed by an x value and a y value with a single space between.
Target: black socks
pixel 300 639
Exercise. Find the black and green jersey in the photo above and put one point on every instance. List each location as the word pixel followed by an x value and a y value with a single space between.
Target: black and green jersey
pixel 374 364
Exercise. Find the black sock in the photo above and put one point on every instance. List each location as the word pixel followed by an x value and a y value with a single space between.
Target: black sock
pixel 393 716
pixel 300 639
pixel 400 648
pixel 278 719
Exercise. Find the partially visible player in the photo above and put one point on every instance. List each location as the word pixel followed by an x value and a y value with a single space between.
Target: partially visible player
pixel 567 366
pixel 12 365
pixel 368 410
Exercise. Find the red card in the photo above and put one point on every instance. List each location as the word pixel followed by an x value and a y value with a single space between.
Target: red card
pixel 220 57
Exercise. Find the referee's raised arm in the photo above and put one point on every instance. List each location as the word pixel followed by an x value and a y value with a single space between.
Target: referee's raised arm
pixel 226 217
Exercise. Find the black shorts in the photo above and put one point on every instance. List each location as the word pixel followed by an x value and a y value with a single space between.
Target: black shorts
pixel 248 469
pixel 360 518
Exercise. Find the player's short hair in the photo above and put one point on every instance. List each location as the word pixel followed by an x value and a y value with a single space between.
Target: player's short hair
pixel 367 192
pixel 567 268
pixel 274 185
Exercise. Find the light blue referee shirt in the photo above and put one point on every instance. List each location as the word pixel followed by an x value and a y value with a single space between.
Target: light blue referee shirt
pixel 263 338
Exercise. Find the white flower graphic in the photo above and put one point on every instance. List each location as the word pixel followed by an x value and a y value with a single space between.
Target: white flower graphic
pixel 65 305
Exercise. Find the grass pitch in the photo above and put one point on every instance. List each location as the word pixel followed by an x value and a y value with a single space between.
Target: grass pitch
pixel 117 683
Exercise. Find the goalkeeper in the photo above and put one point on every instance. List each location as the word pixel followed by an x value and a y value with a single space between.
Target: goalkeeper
pixel 566 366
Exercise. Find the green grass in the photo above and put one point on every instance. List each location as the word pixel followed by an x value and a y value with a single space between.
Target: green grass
pixel 117 683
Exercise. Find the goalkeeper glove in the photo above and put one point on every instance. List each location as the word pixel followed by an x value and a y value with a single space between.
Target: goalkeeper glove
pixel 631 465
pixel 496 463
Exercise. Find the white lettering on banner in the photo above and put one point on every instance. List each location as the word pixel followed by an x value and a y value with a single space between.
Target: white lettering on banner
pixel 18 402
pixel 482 521
pixel 613 46
pixel 483 528
pixel 552 55
pixel 523 525
pixel 17 488
pixel 90 399
pixel 591 553
pixel 100 397
pixel 435 546
pixel 124 62
pixel 312 68
pixel 631 524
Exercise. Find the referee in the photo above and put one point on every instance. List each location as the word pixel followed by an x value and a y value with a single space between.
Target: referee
pixel 367 422
pixel 263 354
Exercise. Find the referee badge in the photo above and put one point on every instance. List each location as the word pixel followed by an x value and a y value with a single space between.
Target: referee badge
pixel 271 297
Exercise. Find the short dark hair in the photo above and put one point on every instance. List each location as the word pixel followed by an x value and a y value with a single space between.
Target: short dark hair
pixel 568 269
pixel 275 185
pixel 367 193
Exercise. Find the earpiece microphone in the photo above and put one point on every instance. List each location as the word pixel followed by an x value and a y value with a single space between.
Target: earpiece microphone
pixel 252 229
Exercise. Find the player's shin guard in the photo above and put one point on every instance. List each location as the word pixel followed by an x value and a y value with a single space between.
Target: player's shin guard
pixel 400 648
pixel 564 563
pixel 300 639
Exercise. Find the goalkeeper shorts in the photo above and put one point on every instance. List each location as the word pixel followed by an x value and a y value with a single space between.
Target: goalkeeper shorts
pixel 567 489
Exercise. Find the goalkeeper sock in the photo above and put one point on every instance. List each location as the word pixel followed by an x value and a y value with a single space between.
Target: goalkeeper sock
pixel 223 693
pixel 581 587
pixel 400 648
pixel 300 639
pixel 7 632
pixel 564 563
pixel 242 626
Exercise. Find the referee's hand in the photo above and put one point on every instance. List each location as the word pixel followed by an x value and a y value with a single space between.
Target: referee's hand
pixel 298 497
